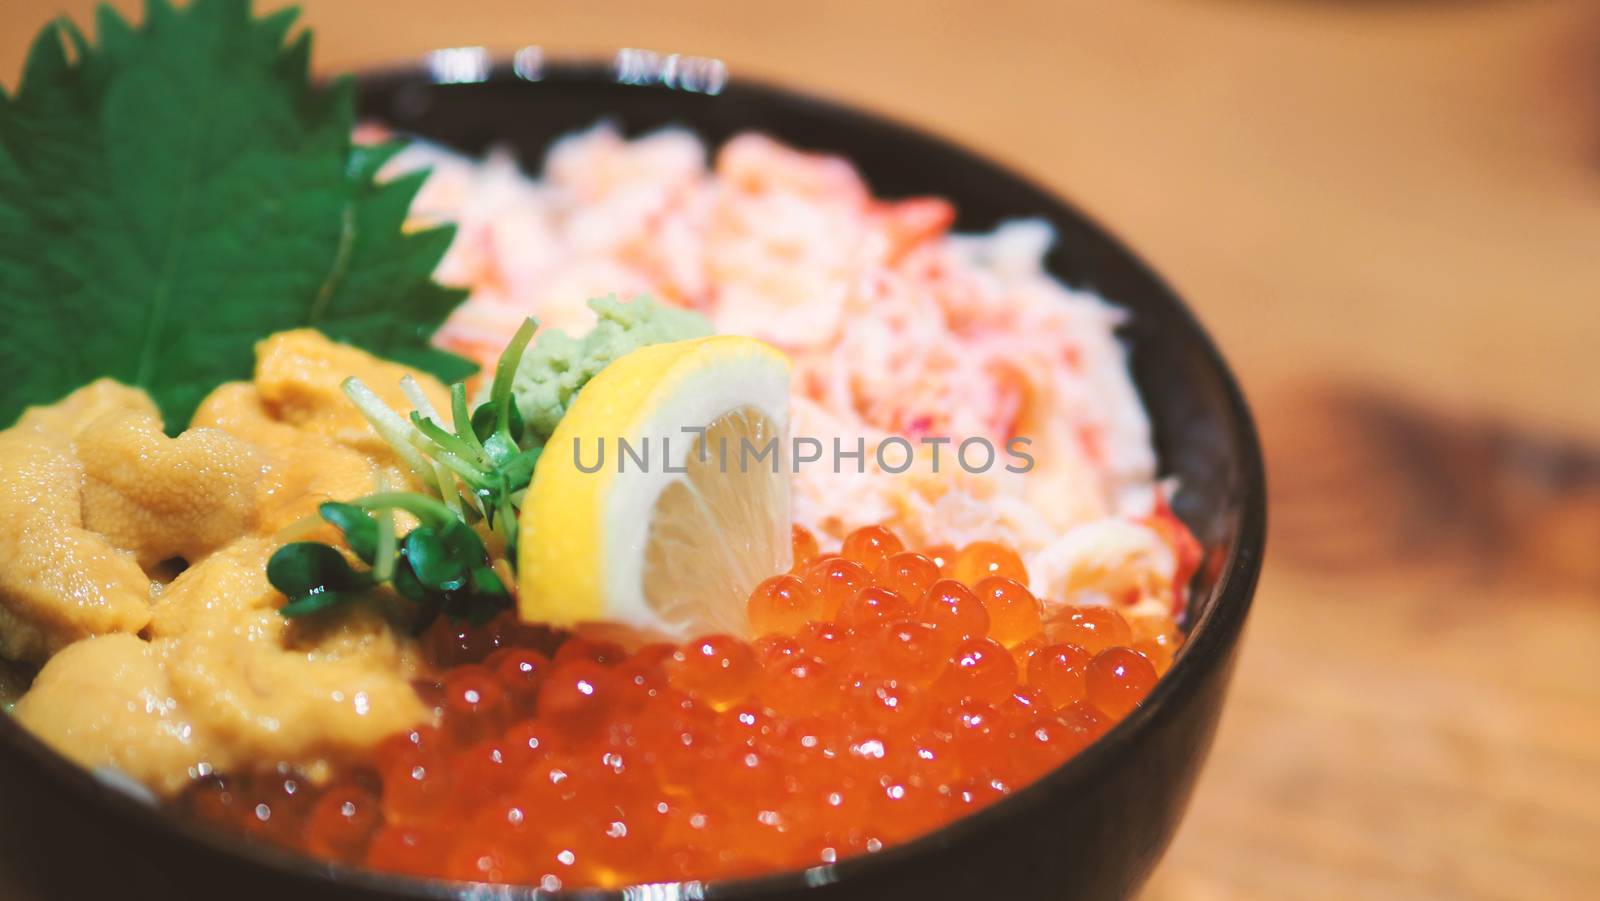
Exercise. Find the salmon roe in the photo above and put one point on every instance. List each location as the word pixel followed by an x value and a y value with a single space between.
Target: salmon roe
pixel 1014 615
pixel 1092 628
pixel 908 574
pixel 870 546
pixel 803 545
pixel 981 559
pixel 782 604
pixel 888 692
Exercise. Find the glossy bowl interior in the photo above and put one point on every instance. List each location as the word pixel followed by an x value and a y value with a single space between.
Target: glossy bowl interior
pixel 1093 828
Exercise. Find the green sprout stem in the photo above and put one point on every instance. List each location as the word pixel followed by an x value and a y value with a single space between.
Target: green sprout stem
pixel 384 547
pixel 470 473
pixel 419 399
pixel 505 372
pixel 463 423
pixel 393 429
pixel 429 511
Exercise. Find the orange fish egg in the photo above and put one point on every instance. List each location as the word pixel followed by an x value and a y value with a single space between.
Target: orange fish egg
pixel 1118 679
pixel 1061 672
pixel 880 699
pixel 954 611
pixel 908 574
pixel 782 604
pixel 1092 628
pixel 870 546
pixel 982 559
pixel 804 546
pixel 873 607
pixel 834 580
pixel 1014 614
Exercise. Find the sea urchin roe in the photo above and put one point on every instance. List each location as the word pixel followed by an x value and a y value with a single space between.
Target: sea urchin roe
pixel 861 717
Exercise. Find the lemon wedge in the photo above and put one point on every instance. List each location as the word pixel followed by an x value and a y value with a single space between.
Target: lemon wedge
pixel 662 497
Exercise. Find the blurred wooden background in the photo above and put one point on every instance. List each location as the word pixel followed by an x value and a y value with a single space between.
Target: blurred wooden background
pixel 1389 215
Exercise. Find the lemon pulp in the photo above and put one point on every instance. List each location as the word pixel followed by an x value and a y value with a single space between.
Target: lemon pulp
pixel 712 539
pixel 662 498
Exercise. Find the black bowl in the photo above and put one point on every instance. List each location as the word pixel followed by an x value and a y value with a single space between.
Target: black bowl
pixel 1093 828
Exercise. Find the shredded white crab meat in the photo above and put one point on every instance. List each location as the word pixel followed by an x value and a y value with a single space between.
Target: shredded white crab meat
pixel 896 327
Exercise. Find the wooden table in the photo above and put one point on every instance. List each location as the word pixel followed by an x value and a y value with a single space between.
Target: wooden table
pixel 1389 215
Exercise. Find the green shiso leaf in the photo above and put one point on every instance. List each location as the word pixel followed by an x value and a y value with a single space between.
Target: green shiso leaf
pixel 181 190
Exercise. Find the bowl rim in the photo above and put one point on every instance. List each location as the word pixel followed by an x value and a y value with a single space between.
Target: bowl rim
pixel 1210 639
